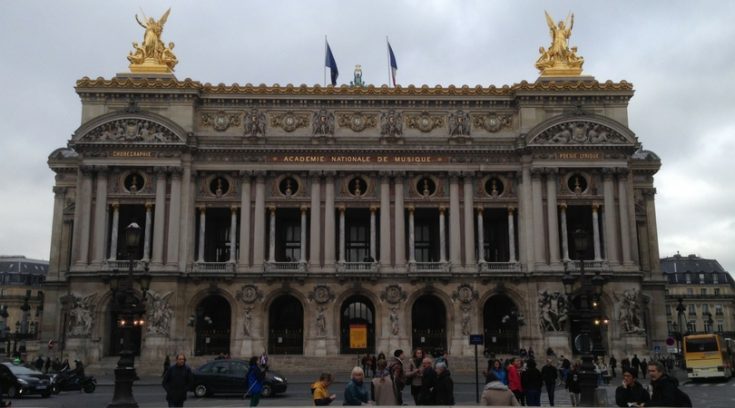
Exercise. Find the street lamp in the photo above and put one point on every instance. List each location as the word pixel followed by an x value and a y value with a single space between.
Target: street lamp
pixel 129 313
pixel 709 322
pixel 680 309
pixel 588 293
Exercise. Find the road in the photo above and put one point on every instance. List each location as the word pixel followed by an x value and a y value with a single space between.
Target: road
pixel 710 394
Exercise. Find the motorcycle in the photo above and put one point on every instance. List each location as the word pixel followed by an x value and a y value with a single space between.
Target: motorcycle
pixel 70 380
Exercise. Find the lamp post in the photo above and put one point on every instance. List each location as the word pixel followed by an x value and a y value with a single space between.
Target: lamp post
pixel 586 310
pixel 129 314
pixel 680 334
pixel 4 329
pixel 709 322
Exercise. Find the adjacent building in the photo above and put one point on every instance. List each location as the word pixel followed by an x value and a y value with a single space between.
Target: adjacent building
pixel 21 300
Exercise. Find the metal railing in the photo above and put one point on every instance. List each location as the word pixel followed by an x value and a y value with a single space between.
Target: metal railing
pixel 285 266
pixel 213 267
pixel 357 267
pixel 429 267
pixel 499 266
pixel 110 265
pixel 589 265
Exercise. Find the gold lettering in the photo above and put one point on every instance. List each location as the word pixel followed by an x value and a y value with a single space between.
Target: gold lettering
pixel 128 153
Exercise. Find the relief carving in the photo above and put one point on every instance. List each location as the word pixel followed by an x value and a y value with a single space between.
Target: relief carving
pixel 553 311
pixel 629 312
pixel 130 131
pixel 323 123
pixel 492 122
pixel 249 294
pixel 289 121
pixel 393 294
pixel 424 122
pixel 321 294
pixel 459 124
pixel 221 120
pixel 391 124
pixel 159 313
pixel 579 132
pixel 357 122
pixel 81 314
pixel 254 124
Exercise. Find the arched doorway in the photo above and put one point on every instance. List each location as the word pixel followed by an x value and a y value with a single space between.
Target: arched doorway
pixel 593 322
pixel 213 319
pixel 501 321
pixel 286 326
pixel 117 333
pixel 357 325
pixel 429 322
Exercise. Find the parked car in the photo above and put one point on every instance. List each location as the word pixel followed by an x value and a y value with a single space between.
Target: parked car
pixel 230 377
pixel 21 380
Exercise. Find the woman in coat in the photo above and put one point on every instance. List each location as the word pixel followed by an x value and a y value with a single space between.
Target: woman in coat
pixel 355 393
pixel 320 390
pixel 382 387
pixel 497 394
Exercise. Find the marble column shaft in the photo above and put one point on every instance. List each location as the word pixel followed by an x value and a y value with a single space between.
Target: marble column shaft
pixel 57 226
pixel 553 217
pixel 442 235
pixel 174 214
pixel 624 221
pixel 302 243
pixel 611 240
pixel 480 235
pixel 329 221
pixel 159 219
pixel 469 228
pixel 115 227
pixel 539 244
pixel 315 240
pixel 400 226
pixel 525 218
pixel 596 231
pixel 259 222
pixel 147 232
pixel 385 233
pixel 455 253
pixel 245 208
pixel 272 234
pixel 202 229
pixel 652 229
pixel 233 234
pixel 86 202
pixel 511 235
pixel 342 235
pixel 564 232
pixel 411 236
pixel 373 234
pixel 100 218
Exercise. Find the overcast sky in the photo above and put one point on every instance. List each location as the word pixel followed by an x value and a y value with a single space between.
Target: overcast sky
pixel 679 55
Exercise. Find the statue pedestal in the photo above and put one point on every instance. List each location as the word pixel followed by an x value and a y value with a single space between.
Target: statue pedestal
pixel 635 344
pixel 154 349
pixel 320 347
pixel 559 342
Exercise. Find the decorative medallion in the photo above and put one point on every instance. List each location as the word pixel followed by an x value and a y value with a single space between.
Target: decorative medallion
pixel 465 294
pixel 424 122
pixel 221 120
pixel 459 124
pixel 321 294
pixel 393 294
pixel 289 121
pixel 579 132
pixel 254 123
pixel 357 122
pixel 492 122
pixel 131 131
pixel 249 294
pixel 323 123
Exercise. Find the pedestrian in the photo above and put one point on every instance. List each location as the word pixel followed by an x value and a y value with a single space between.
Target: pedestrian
pixel 566 366
pixel 5 383
pixel 177 382
pixel 514 380
pixel 398 373
pixel 428 381
pixel 550 374
pixel 531 381
pixel 499 371
pixel 256 376
pixel 382 389
pixel 666 392
pixel 38 363
pixel 631 391
pixel 496 393
pixel 636 363
pixel 444 386
pixel 166 365
pixel 320 390
pixel 644 367
pixel 413 374
pixel 613 365
pixel 263 360
pixel 355 393
pixel 572 384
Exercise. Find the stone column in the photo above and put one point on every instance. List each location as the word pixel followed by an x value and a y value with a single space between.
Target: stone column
pixel 611 240
pixel 159 219
pixel 539 245
pixel 315 240
pixel 442 235
pixel 511 235
pixel 400 227
pixel 174 214
pixel 245 202
pixel 259 221
pixel 302 244
pixel 525 218
pixel 187 233
pixel 373 235
pixel 596 230
pixel 411 236
pixel 649 194
pixel 85 202
pixel 57 226
pixel 552 215
pixel 113 234
pixel 272 234
pixel 100 217
pixel 233 234
pixel 455 254
pixel 329 218
pixel 202 227
pixel 564 232
pixel 385 246
pixel 341 234
pixel 469 228
pixel 147 232
pixel 624 221
pixel 480 235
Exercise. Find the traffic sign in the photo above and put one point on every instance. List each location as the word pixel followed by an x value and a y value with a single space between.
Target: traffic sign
pixel 476 339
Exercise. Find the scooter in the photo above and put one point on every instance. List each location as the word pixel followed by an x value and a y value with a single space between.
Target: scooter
pixel 70 380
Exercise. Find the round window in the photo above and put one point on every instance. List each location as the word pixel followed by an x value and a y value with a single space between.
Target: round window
pixel 357 186
pixel 426 187
pixel 288 186
pixel 219 186
pixel 494 187
pixel 577 183
pixel 134 182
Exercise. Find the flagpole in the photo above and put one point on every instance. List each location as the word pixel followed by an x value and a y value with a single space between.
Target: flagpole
pixel 387 50
pixel 324 64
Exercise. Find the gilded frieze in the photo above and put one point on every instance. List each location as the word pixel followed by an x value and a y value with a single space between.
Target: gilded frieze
pixel 492 122
pixel 221 120
pixel 425 122
pixel 356 121
pixel 289 121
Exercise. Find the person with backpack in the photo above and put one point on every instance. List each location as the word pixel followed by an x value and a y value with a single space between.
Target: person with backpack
pixel 320 390
pixel 666 392
pixel 256 376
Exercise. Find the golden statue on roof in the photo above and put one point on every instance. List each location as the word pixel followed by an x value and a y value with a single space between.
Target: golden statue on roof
pixel 559 59
pixel 152 56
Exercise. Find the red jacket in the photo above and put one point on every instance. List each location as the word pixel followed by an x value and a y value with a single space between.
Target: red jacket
pixel 514 379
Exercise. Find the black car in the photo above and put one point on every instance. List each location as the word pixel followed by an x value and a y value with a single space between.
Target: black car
pixel 19 380
pixel 230 377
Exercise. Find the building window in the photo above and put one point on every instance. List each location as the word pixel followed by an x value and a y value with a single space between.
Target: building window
pixel 720 326
pixel 670 326
pixel 692 310
pixel 668 310
pixel 718 310
pixel 688 278
pixel 717 291
pixel 701 278
pixel 703 291
pixel 692 326
pixel 690 291
pixel 705 309
pixel 716 278
pixel 577 183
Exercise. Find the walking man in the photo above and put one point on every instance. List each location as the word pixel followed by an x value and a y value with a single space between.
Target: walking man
pixel 177 381
pixel 550 374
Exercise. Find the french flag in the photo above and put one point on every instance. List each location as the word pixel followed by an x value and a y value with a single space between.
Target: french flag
pixel 393 63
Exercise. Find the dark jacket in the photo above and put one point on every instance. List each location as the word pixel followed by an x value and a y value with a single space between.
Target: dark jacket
pixel 550 374
pixel 636 393
pixel 444 389
pixel 355 394
pixel 573 382
pixel 428 382
pixel 531 379
pixel 666 393
pixel 177 381
pixel 255 376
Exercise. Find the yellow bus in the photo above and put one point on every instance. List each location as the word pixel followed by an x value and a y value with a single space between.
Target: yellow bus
pixel 709 356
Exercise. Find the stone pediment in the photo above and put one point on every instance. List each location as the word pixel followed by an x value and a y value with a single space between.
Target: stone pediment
pixel 130 128
pixel 588 130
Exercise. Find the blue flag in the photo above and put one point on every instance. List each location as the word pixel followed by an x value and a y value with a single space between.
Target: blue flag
pixel 393 64
pixel 330 63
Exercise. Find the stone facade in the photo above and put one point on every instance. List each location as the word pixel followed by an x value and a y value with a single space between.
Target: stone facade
pixel 297 219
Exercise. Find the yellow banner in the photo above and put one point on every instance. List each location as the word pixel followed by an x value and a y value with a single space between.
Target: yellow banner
pixel 358 336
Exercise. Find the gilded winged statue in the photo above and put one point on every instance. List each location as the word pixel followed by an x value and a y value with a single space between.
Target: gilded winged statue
pixel 152 55
pixel 559 59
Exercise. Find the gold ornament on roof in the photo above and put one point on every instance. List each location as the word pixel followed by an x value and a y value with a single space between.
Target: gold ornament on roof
pixel 152 56
pixel 559 59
